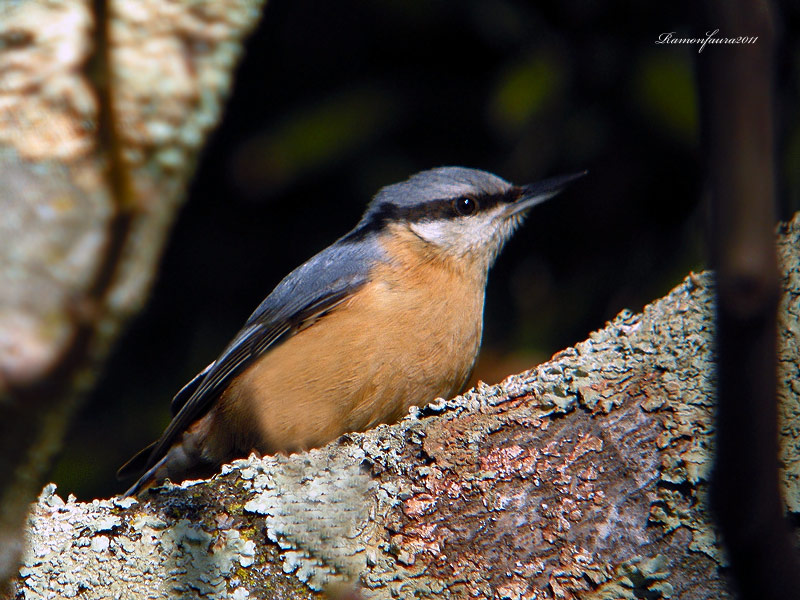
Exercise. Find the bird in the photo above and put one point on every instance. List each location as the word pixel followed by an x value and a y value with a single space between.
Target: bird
pixel 388 316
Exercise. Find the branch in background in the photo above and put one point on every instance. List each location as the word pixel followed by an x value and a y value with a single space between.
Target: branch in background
pixel 736 83
pixel 586 477
pixel 87 202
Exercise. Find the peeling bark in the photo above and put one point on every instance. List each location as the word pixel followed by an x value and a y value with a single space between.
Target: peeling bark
pixel 100 126
pixel 586 477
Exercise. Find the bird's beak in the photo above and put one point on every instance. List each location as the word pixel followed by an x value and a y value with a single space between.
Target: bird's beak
pixel 536 193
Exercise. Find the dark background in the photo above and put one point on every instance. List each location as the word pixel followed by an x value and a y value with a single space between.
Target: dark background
pixel 334 100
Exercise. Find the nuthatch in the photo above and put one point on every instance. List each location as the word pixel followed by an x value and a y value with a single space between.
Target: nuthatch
pixel 388 316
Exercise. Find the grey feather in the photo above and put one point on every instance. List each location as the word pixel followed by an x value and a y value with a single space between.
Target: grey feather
pixel 187 390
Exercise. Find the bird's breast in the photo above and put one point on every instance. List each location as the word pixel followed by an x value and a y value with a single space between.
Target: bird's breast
pixel 406 337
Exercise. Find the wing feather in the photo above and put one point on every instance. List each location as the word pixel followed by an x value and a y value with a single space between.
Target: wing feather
pixel 186 391
pixel 307 293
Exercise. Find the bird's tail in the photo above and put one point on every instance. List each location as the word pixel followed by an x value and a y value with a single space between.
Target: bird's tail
pixel 136 465
pixel 180 462
pixel 150 477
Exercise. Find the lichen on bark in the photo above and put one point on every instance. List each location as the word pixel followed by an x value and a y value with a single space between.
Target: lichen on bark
pixel 585 477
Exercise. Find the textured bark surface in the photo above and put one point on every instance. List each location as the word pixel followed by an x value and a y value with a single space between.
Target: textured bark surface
pixel 583 478
pixel 100 126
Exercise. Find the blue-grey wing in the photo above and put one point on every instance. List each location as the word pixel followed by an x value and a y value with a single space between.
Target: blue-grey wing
pixel 304 295
pixel 187 390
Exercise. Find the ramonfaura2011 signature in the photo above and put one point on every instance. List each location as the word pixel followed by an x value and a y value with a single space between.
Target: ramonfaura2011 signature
pixel 710 38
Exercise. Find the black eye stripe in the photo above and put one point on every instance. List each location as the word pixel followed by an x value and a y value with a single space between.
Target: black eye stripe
pixel 444 208
pixel 429 211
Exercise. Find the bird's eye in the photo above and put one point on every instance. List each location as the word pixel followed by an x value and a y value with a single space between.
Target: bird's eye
pixel 465 206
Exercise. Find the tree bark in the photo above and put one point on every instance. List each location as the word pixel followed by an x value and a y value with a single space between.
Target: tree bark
pixel 103 109
pixel 586 477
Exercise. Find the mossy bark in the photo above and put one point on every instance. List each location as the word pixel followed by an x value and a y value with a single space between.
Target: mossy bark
pixel 586 477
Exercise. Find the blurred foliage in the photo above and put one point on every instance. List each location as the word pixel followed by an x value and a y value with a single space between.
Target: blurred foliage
pixel 665 88
pixel 525 90
pixel 334 100
pixel 306 140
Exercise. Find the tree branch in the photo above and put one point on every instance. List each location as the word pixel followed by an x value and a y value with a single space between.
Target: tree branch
pixel 586 477
pixel 90 187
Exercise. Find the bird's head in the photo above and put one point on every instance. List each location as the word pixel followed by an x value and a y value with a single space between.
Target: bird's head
pixel 461 213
